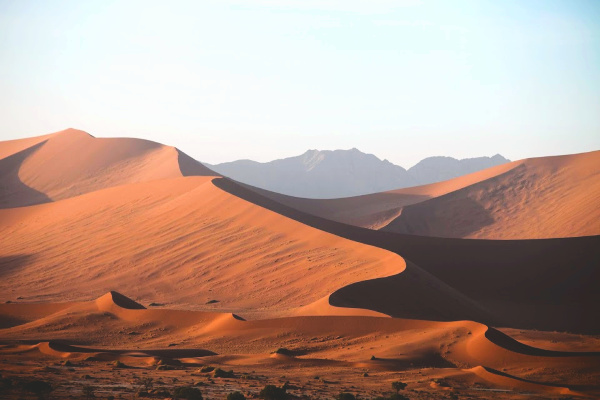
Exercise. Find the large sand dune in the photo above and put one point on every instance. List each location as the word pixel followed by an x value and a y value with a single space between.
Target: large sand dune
pixel 540 198
pixel 72 162
pixel 541 284
pixel 188 241
pixel 528 199
pixel 376 210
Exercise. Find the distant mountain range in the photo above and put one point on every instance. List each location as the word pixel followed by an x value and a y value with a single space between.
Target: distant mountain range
pixel 343 173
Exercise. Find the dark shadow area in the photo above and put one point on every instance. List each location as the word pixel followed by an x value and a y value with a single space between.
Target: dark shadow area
pixel 546 275
pixel 571 387
pixel 413 294
pixel 13 192
pixel 505 341
pixel 171 353
pixel 125 302
pixel 190 167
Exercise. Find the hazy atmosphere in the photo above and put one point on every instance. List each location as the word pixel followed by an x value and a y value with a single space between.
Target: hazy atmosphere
pixel 262 80
pixel 300 200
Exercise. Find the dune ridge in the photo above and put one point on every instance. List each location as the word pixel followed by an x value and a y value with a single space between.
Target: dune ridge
pixel 561 301
pixel 72 162
pixel 463 345
pixel 377 210
pixel 194 246
pixel 539 198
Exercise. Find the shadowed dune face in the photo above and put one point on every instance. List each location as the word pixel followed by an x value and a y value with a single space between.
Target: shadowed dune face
pixel 540 284
pixel 71 162
pixel 540 198
pixel 181 242
pixel 13 192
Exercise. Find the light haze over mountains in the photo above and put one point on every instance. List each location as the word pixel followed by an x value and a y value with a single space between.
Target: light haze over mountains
pixel 344 173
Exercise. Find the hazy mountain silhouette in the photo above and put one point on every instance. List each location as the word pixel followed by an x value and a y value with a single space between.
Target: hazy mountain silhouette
pixel 343 173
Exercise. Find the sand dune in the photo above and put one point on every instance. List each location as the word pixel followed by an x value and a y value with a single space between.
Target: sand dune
pixel 72 162
pixel 537 284
pixel 473 348
pixel 188 241
pixel 527 199
pixel 540 198
pixel 377 210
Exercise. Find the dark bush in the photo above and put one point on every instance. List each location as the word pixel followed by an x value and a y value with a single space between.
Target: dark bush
pixel 39 388
pixel 272 392
pixel 236 396
pixel 345 396
pixel 397 396
pixel 187 393
pixel 284 351
pixel 219 373
pixel 398 386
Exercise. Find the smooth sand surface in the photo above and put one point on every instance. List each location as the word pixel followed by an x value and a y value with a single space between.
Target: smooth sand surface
pixel 72 162
pixel 539 198
pixel 188 241
pixel 547 197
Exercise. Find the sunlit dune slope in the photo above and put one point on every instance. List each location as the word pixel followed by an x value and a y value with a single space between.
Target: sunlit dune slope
pixel 72 162
pixel 182 242
pixel 539 198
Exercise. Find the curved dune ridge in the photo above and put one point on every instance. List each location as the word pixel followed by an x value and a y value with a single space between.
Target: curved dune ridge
pixel 72 162
pixel 537 284
pixel 189 242
pixel 396 343
pixel 375 211
pixel 534 198
pixel 539 198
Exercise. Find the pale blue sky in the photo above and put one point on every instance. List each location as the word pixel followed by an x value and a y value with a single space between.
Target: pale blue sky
pixel 266 79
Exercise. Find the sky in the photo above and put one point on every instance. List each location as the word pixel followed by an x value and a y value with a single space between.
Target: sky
pixel 266 79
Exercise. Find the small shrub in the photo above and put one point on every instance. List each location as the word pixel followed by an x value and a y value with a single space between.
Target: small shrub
pixel 284 351
pixel 119 364
pixel 219 373
pixel 39 388
pixel 398 386
pixel 345 396
pixel 207 368
pixel 272 392
pixel 236 396
pixel 147 383
pixel 187 393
